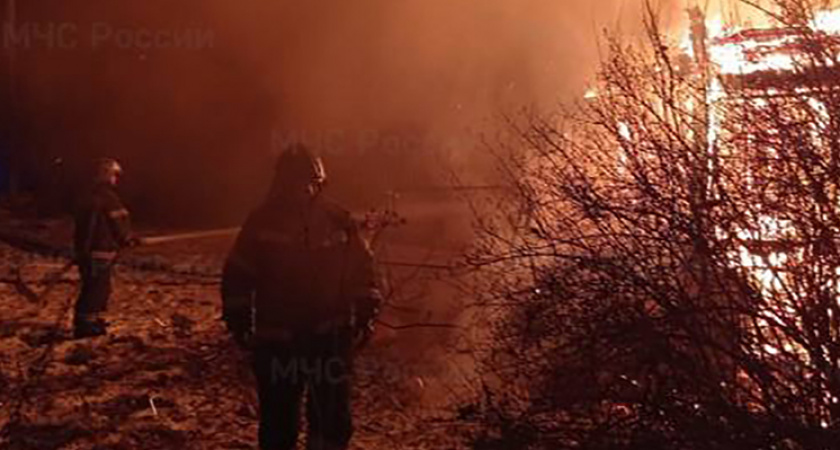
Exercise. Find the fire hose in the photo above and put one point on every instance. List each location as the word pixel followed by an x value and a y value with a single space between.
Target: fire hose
pixel 224 232
pixel 189 236
pixel 65 256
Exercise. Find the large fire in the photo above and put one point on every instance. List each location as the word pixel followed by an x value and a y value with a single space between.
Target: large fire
pixel 743 55
pixel 736 50
pixel 747 56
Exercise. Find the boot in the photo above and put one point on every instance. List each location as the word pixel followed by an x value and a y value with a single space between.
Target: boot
pixel 86 328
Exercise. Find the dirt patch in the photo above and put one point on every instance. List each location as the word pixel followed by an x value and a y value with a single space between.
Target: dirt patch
pixel 168 376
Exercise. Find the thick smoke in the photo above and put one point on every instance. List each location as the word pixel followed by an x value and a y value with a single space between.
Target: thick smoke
pixel 425 62
pixel 391 91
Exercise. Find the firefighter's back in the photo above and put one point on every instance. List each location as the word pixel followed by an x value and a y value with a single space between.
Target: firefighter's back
pixel 303 263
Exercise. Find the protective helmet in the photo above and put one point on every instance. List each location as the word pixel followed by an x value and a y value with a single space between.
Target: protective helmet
pixel 107 169
pixel 298 167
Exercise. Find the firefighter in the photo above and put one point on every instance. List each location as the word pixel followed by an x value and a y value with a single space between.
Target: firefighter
pixel 102 230
pixel 299 288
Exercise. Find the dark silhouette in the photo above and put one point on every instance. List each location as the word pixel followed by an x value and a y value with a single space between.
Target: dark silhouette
pixel 300 287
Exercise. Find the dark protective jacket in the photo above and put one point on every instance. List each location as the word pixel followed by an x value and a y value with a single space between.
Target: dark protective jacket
pixel 103 224
pixel 298 266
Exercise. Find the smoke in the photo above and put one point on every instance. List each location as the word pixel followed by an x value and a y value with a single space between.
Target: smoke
pixel 332 63
pixel 391 91
pixel 412 84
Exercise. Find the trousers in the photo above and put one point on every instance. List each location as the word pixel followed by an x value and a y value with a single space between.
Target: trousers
pixel 314 367
pixel 93 297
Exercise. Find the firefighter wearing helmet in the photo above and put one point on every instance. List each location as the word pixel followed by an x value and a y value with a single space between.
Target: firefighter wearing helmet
pixel 102 230
pixel 299 289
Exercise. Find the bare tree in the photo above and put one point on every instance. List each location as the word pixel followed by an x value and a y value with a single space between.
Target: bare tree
pixel 663 272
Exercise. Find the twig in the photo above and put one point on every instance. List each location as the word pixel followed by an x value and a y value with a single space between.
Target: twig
pixel 152 404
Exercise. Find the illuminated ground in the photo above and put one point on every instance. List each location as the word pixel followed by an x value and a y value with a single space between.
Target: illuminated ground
pixel 169 377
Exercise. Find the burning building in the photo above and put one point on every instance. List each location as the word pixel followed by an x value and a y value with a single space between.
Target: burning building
pixel 785 76
pixel 769 118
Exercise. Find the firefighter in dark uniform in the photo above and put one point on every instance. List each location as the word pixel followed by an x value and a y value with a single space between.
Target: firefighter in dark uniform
pixel 102 230
pixel 300 286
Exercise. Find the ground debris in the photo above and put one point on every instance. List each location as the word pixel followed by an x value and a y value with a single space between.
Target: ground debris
pixel 79 355
pixel 39 436
pixel 182 385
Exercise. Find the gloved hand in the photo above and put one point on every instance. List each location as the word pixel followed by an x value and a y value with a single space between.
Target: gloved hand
pixel 239 325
